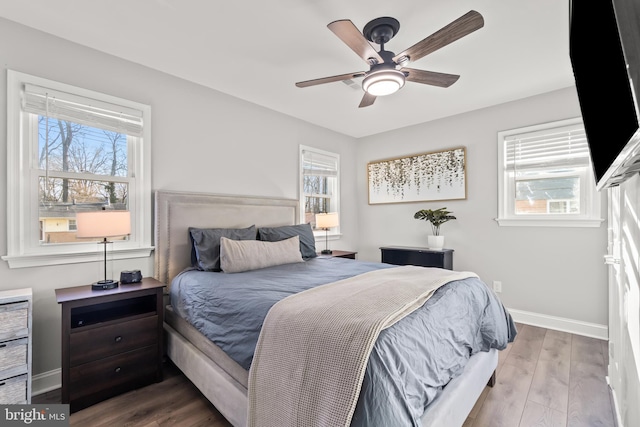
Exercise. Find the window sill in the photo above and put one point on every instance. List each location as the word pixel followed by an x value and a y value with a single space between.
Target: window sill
pixel 321 237
pixel 40 260
pixel 527 222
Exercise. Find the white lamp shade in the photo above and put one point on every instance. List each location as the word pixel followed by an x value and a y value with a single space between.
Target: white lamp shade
pixel 327 220
pixel 103 223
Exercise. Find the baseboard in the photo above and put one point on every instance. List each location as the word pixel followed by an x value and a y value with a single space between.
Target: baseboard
pixel 577 327
pixel 46 381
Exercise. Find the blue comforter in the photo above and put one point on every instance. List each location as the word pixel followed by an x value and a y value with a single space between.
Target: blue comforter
pixel 411 361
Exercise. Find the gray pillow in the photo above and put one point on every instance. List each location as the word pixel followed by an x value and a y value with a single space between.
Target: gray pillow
pixel 304 231
pixel 205 252
pixel 237 256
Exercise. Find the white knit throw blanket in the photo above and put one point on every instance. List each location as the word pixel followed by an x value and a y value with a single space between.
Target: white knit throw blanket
pixel 314 346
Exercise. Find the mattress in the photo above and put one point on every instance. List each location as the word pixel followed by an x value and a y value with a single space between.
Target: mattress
pixel 206 346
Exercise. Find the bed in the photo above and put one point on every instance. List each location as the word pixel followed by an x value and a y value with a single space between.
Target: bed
pixel 223 378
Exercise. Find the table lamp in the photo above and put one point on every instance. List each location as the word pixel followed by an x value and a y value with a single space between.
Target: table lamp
pixel 327 221
pixel 103 224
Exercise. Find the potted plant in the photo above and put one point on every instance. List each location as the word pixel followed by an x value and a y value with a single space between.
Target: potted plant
pixel 436 217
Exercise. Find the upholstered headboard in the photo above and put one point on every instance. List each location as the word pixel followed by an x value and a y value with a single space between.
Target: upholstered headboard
pixel 175 212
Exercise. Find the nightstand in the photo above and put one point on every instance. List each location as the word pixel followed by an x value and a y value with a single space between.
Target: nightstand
pixel 111 340
pixel 425 257
pixel 340 254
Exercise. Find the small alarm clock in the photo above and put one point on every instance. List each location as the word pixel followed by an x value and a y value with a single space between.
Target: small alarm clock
pixel 131 276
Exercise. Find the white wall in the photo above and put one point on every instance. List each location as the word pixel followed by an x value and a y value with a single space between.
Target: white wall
pixel 548 271
pixel 202 140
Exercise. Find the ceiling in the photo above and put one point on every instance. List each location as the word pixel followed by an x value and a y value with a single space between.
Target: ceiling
pixel 257 50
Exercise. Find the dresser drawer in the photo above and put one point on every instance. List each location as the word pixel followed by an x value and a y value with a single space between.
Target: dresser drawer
pixel 425 257
pixel 93 344
pixel 112 372
pixel 13 390
pixel 14 320
pixel 13 358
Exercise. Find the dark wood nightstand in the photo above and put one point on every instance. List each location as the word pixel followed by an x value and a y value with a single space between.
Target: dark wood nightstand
pixel 340 254
pixel 425 257
pixel 111 340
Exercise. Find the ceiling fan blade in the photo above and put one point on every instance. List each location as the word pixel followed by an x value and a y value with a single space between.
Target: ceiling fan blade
pixel 352 37
pixel 331 79
pixel 459 28
pixel 430 77
pixel 367 100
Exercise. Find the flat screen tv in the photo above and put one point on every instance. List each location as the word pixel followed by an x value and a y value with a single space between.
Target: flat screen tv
pixel 604 47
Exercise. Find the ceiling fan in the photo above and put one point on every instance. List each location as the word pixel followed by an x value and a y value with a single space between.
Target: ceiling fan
pixel 388 71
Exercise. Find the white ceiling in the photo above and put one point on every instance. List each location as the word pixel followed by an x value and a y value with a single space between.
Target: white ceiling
pixel 257 50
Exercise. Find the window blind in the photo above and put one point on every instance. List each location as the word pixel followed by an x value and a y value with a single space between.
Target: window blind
pixel 559 147
pixel 317 164
pixel 82 110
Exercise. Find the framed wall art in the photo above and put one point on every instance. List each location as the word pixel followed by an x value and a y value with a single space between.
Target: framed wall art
pixel 439 175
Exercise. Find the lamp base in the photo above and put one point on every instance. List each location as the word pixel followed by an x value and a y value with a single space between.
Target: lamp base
pixel 103 285
pixel 326 252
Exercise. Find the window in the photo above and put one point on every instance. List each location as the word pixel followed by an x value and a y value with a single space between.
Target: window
pixel 319 185
pixel 546 177
pixel 71 150
pixel 563 206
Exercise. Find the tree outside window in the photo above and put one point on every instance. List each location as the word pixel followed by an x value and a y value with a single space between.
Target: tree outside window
pixel 319 174
pixel 65 150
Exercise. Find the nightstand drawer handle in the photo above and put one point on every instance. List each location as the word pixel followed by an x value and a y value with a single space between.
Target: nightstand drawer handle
pixel 3 345
pixel 1 384
pixel 118 338
pixel 118 369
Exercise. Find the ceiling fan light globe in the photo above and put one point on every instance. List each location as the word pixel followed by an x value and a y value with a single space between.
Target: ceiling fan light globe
pixel 383 83
pixel 383 87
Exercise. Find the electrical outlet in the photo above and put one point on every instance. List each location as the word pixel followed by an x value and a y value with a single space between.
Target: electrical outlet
pixel 497 286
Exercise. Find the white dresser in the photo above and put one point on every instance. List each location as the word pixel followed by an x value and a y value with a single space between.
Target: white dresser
pixel 15 346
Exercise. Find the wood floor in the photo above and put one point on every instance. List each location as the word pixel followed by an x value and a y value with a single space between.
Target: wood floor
pixel 545 378
pixel 548 378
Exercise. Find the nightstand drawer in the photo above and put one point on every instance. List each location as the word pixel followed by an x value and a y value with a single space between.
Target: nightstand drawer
pixel 13 358
pixel 14 320
pixel 14 390
pixel 106 375
pixel 94 344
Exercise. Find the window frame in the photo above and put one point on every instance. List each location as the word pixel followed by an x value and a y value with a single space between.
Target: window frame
pixel 333 233
pixel 590 215
pixel 22 189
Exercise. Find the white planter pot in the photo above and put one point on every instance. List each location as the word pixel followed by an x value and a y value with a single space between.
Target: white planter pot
pixel 435 242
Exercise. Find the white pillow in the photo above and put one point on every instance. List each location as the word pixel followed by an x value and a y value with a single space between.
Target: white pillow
pixel 244 255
